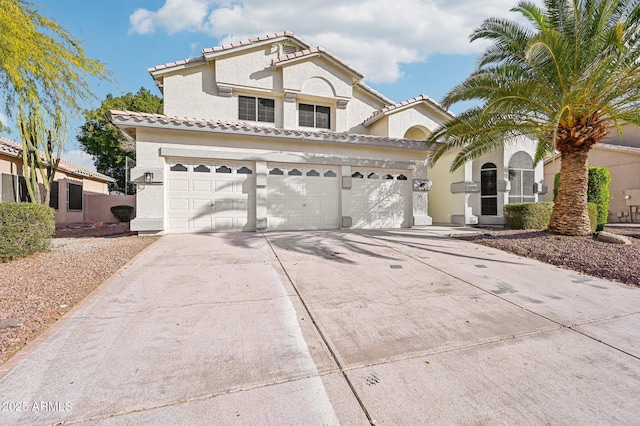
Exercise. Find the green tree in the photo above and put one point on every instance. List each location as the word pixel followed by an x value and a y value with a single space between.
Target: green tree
pixel 40 59
pixel 43 137
pixel 106 143
pixel 565 79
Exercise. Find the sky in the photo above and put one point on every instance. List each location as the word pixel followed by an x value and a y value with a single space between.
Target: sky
pixel 405 48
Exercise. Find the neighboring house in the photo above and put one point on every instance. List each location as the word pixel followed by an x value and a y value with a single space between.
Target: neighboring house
pixel 69 191
pixel 622 157
pixel 272 133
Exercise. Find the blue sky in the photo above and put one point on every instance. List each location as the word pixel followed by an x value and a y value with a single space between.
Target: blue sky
pixel 405 47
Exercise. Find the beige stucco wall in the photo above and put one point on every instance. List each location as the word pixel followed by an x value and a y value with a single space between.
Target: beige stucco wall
pixel 624 167
pixel 442 203
pixel 315 80
pixel 10 165
pixel 98 206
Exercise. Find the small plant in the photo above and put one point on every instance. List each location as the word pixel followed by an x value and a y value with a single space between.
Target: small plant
pixel 27 228
pixel 122 213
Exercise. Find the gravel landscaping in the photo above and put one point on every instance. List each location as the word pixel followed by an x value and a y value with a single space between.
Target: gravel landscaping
pixel 36 291
pixel 583 254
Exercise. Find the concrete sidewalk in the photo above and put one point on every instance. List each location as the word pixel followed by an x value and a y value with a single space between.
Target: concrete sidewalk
pixel 392 327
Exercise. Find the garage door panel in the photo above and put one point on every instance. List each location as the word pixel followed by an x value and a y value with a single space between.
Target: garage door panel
pixel 179 185
pixel 204 197
pixel 379 199
pixel 302 197
pixel 201 185
pixel 222 186
pixel 201 205
pixel 179 204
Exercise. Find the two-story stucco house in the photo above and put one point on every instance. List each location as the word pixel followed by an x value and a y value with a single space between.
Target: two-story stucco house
pixel 272 133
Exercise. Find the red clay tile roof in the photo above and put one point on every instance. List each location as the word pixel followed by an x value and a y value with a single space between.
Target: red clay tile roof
pixel 129 119
pixel 402 105
pixel 14 149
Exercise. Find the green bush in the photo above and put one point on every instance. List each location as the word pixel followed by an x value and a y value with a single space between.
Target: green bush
pixel 527 215
pixel 592 209
pixel 538 215
pixel 122 213
pixel 597 192
pixel 27 228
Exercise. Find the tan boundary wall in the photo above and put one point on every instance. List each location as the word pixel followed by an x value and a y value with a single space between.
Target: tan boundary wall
pixel 97 207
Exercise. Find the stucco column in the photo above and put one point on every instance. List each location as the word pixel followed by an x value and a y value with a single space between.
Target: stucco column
pixel 261 195
pixel 345 196
pixel 420 193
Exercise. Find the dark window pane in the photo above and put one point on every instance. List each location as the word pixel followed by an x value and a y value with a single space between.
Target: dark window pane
pixel 276 171
pixel 247 108
pixel 330 173
pixel 178 168
pixel 54 201
pixel 244 171
pixel 23 191
pixel 266 110
pixel 388 177
pixel 313 172
pixel 223 169
pixel 488 182
pixel 306 115
pixel 528 179
pixel 323 115
pixel 372 176
pixel 357 175
pixel 402 177
pixel 74 196
pixel 295 172
pixel 489 206
pixel 201 169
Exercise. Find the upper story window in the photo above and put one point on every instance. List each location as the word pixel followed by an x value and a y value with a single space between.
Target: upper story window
pixel 256 109
pixel 314 116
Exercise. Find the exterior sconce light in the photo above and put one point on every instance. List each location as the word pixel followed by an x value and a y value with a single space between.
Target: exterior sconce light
pixel 148 177
pixel 626 197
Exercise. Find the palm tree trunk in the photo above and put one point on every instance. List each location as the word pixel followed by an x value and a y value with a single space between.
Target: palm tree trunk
pixel 570 215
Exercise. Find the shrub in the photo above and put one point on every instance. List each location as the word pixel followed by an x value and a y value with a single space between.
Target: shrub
pixel 597 192
pixel 592 208
pixel 538 215
pixel 27 228
pixel 122 213
pixel 527 215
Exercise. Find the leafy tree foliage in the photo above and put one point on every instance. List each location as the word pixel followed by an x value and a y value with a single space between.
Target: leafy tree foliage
pixel 41 60
pixel 565 78
pixel 104 141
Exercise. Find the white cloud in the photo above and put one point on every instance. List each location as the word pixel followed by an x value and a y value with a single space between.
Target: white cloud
pixel 79 158
pixel 376 36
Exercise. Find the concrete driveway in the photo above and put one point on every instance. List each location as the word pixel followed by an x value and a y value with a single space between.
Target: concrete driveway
pixel 321 328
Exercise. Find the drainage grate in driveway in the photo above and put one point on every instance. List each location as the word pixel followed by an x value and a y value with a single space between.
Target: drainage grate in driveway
pixel 372 379
pixel 396 266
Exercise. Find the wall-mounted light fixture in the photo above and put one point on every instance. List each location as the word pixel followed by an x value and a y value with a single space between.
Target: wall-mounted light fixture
pixel 627 197
pixel 148 177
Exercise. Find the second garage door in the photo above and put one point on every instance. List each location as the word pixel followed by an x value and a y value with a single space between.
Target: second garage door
pixel 380 198
pixel 301 197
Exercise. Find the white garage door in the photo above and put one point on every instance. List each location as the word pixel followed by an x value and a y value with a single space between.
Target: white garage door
pixel 215 196
pixel 380 198
pixel 303 197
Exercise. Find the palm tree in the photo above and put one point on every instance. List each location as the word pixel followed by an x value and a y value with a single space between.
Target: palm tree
pixel 565 79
